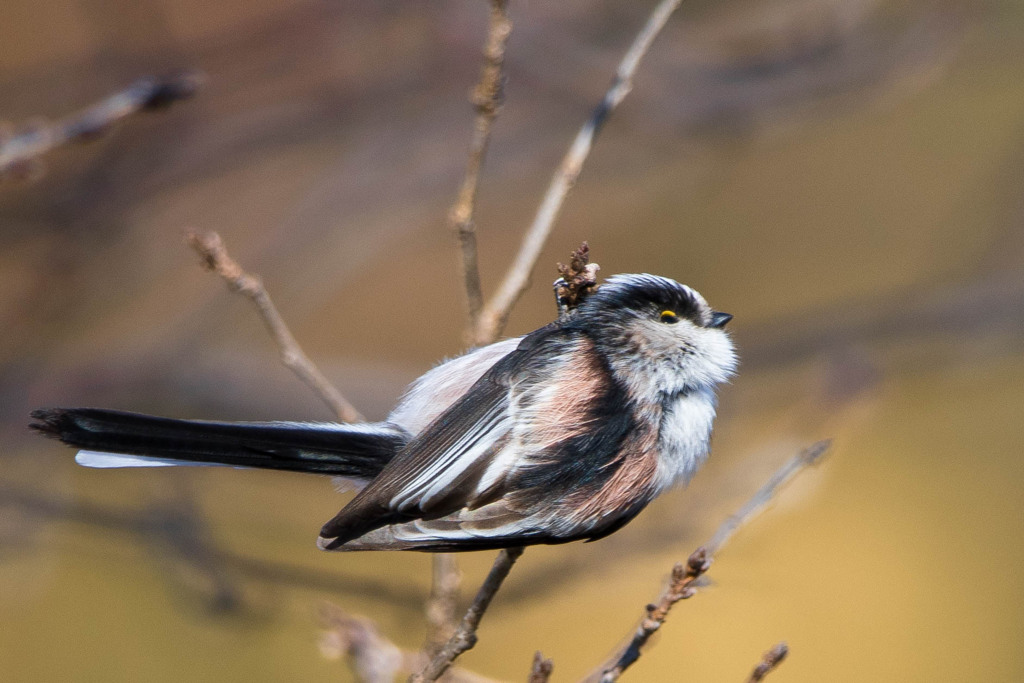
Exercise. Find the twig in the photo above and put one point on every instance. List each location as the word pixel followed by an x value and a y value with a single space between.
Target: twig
pixel 19 153
pixel 487 97
pixel 495 314
pixel 541 670
pixel 679 588
pixel 683 579
pixel 464 637
pixel 769 662
pixel 442 605
pixel 577 281
pixel 216 258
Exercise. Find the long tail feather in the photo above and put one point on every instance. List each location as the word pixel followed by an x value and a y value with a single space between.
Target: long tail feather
pixel 109 437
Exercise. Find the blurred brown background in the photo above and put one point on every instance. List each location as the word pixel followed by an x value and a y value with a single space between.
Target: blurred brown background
pixel 845 176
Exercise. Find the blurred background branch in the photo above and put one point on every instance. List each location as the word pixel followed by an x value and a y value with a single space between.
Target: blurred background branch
pixel 216 258
pixel 195 564
pixel 487 98
pixel 20 151
pixel 373 657
pixel 494 316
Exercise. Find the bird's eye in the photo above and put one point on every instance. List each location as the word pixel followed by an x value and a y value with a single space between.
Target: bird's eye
pixel 669 317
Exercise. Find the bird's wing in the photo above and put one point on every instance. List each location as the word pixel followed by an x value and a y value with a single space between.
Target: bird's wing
pixel 440 469
pixel 440 387
pixel 543 426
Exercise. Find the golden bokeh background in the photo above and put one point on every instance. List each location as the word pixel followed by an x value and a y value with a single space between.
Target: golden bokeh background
pixel 844 176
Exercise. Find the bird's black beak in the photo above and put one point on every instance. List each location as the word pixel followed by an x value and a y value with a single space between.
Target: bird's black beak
pixel 718 320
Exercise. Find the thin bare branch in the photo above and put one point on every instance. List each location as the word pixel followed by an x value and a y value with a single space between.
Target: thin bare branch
pixel 683 582
pixel 541 670
pixel 443 604
pixel 769 662
pixel 19 153
pixel 495 314
pixel 679 588
pixel 487 98
pixel 464 637
pixel 216 258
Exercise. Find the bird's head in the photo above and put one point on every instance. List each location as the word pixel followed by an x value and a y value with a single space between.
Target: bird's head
pixel 658 335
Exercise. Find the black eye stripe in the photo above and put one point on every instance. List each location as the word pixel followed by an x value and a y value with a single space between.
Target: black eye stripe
pixel 646 296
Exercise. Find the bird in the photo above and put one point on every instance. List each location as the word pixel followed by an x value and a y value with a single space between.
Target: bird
pixel 563 434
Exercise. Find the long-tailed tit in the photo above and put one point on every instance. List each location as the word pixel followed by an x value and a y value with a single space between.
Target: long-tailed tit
pixel 560 435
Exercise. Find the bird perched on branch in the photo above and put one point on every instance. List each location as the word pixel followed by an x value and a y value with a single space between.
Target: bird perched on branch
pixel 563 434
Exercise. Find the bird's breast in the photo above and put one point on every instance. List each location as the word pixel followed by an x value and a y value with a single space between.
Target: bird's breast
pixel 683 436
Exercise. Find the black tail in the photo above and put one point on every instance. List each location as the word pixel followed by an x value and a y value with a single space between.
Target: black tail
pixel 357 451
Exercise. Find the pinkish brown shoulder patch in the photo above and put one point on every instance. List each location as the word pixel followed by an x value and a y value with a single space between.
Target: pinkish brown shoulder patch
pixel 562 409
pixel 632 482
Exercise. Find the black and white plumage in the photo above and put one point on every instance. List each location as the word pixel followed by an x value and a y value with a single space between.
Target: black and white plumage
pixel 564 434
